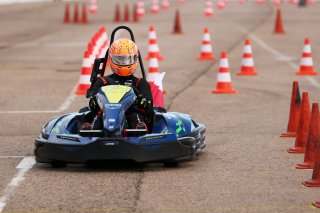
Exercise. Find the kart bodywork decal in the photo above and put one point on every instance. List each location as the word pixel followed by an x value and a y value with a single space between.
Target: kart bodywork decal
pixel 115 93
pixel 180 127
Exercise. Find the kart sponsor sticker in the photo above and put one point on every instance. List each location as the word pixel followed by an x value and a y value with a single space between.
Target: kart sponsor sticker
pixel 155 137
pixel 112 106
pixel 68 138
pixel 180 127
pixel 110 143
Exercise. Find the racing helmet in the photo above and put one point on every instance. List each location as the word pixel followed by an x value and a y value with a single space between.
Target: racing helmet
pixel 123 57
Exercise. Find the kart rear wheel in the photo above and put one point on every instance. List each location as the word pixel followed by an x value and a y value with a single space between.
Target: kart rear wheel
pixel 58 164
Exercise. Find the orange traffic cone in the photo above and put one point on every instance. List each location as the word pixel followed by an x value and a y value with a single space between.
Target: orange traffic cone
pixel 294 2
pixel 165 4
pixel 208 10
pixel 135 14
pixel 84 19
pixel 93 7
pixel 177 29
pixel 140 8
pixel 76 13
pixel 67 14
pixel 117 17
pixel 313 139
pixel 224 78
pixel 315 180
pixel 247 64
pixel 306 63
pixel 302 132
pixel 153 48
pixel 221 4
pixel 154 77
pixel 294 112
pixel 260 1
pixel 310 2
pixel 155 6
pixel 278 28
pixel 206 48
pixel 126 13
pixel 277 2
pixel 84 81
pixel 153 70
pixel 316 204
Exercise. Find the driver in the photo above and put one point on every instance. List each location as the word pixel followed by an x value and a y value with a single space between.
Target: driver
pixel 123 59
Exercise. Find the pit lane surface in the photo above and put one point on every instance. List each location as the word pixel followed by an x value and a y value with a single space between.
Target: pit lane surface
pixel 244 167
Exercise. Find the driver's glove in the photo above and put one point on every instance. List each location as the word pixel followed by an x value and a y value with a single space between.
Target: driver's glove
pixel 142 101
pixel 144 104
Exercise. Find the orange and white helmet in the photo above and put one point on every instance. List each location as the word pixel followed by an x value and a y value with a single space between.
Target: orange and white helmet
pixel 123 57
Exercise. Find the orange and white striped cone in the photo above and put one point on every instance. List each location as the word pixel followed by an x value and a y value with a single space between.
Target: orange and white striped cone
pixel 224 78
pixel 93 7
pixel 208 9
pixel 165 4
pixel 84 81
pixel 141 12
pixel 310 2
pixel 221 4
pixel 277 2
pixel 155 6
pixel 98 41
pixel 260 1
pixel 306 63
pixel 206 48
pixel 153 48
pixel 153 70
pixel 104 43
pixel 247 63
pixel 294 2
pixel 155 78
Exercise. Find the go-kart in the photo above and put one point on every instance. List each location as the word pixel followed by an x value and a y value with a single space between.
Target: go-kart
pixel 174 137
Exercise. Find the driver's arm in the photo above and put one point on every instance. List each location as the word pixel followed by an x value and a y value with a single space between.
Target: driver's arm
pixel 146 101
pixel 98 84
pixel 93 105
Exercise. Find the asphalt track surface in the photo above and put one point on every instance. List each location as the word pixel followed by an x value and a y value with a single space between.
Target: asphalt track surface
pixel 243 169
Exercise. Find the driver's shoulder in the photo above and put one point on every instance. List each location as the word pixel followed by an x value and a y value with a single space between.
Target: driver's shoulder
pixel 139 81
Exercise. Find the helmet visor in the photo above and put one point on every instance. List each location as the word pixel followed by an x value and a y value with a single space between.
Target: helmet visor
pixel 123 60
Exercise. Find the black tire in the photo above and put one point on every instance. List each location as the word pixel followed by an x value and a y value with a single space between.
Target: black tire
pixel 171 164
pixel 58 164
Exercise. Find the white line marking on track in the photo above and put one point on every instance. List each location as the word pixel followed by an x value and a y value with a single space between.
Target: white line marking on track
pixel 24 166
pixel 278 55
pixel 6 157
pixel 68 101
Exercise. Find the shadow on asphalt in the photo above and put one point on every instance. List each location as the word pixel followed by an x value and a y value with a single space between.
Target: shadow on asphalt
pixel 113 166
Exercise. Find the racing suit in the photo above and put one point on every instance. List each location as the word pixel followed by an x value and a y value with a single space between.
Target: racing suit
pixel 144 113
